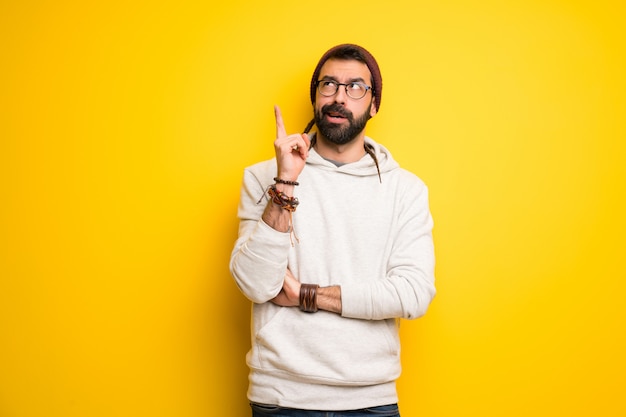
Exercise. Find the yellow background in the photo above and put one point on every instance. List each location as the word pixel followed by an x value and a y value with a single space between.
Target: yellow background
pixel 124 130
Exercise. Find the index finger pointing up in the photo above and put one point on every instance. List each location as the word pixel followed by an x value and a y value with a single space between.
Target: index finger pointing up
pixel 280 126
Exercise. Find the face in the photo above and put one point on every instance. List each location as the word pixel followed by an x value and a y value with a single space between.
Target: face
pixel 340 118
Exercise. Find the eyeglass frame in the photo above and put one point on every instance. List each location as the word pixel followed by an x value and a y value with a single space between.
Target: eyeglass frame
pixel 345 85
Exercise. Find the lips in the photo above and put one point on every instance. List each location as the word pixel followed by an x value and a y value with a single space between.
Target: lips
pixel 336 116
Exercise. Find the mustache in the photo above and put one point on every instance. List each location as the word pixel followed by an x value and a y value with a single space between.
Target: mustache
pixel 339 109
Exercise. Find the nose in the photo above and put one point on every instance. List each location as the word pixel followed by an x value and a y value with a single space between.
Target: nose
pixel 341 95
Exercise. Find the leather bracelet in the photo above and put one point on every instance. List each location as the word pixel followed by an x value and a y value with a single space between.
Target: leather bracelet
pixel 281 199
pixel 308 297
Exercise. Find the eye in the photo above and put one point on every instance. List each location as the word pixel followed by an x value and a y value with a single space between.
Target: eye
pixel 355 86
pixel 328 84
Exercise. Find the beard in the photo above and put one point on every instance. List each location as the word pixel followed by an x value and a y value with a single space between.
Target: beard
pixel 337 133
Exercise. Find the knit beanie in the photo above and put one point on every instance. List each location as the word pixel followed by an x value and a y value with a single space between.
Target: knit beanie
pixel 351 51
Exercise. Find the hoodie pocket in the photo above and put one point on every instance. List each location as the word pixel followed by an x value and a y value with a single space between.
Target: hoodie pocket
pixel 327 347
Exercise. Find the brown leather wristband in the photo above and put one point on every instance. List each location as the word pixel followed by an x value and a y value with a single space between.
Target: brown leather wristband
pixel 308 297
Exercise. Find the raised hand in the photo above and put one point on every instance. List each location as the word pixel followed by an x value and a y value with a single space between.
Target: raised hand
pixel 291 150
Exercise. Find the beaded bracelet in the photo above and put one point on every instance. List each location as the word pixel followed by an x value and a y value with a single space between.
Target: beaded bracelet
pixel 308 298
pixel 279 181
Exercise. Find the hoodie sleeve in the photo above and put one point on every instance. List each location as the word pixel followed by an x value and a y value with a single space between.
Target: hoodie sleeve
pixel 408 286
pixel 259 259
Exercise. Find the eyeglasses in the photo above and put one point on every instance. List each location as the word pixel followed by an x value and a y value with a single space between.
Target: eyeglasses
pixel 355 90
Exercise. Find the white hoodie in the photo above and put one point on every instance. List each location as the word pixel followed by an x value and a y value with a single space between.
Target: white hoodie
pixel 374 240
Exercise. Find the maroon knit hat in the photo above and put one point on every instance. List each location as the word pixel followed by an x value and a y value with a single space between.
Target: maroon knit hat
pixel 349 51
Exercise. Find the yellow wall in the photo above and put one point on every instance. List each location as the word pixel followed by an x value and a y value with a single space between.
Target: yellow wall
pixel 124 129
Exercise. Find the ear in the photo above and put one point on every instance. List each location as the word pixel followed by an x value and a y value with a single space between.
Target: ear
pixel 373 108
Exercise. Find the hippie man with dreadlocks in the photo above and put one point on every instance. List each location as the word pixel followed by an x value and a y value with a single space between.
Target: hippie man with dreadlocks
pixel 335 246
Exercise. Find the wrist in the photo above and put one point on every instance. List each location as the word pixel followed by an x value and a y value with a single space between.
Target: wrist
pixel 285 184
pixel 285 188
pixel 282 199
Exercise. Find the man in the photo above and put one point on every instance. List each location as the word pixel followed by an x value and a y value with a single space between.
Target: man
pixel 340 248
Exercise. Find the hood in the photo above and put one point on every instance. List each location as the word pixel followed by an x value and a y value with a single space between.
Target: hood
pixel 364 167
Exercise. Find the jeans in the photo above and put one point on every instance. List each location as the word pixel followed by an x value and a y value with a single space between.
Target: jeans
pixel 263 410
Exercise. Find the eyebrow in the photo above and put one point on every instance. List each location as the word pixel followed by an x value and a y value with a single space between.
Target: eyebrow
pixel 352 80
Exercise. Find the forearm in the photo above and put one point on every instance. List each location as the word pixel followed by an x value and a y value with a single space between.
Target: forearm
pixel 329 299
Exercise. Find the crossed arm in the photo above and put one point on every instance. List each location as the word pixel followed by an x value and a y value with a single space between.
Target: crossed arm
pixel 328 298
